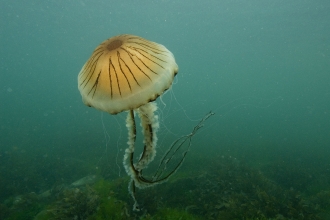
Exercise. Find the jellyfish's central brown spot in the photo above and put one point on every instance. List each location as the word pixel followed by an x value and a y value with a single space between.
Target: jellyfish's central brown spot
pixel 114 44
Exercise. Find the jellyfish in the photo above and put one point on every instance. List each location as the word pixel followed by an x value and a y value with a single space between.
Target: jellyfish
pixel 128 73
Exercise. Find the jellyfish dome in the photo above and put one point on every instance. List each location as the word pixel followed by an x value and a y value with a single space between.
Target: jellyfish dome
pixel 126 72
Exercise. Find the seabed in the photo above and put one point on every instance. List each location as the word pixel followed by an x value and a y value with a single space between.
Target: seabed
pixel 221 187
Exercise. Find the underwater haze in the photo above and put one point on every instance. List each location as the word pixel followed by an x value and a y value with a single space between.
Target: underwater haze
pixel 262 66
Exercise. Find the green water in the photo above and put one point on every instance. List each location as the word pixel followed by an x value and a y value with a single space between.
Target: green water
pixel 263 68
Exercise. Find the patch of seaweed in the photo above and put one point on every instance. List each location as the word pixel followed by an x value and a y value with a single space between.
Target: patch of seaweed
pixel 229 189
pixel 75 203
pixel 223 188
pixel 24 206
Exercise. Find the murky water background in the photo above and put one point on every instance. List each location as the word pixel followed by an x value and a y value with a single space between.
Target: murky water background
pixel 262 67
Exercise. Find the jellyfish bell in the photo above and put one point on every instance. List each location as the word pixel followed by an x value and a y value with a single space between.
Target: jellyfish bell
pixel 127 73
